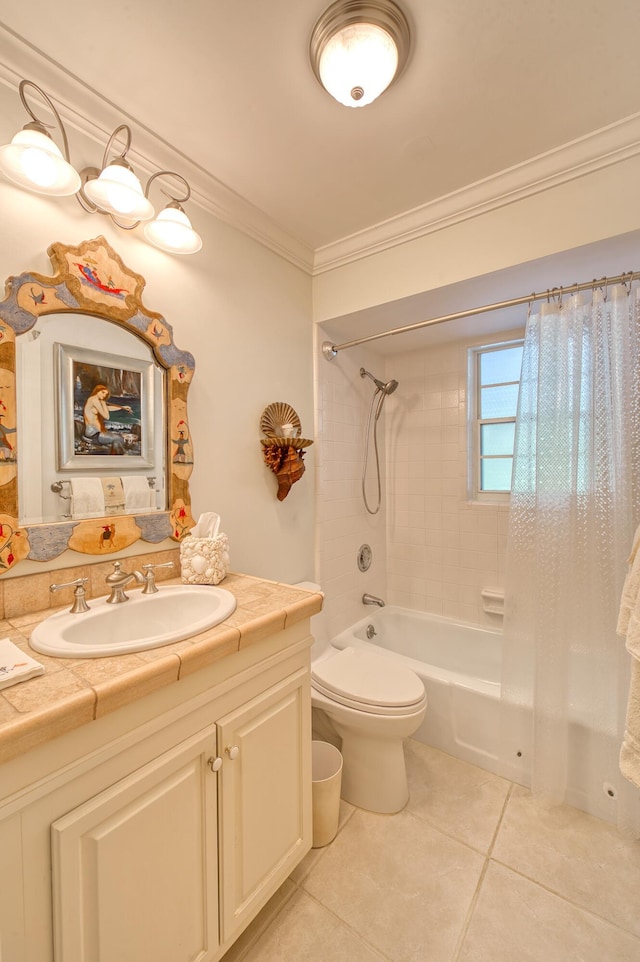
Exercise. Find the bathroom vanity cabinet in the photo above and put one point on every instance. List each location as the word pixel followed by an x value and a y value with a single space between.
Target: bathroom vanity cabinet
pixel 165 826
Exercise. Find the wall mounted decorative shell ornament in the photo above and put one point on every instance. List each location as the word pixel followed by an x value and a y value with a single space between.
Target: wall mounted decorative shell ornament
pixel 283 448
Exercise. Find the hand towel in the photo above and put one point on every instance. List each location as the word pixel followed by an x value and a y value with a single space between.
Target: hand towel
pixel 87 497
pixel 629 616
pixel 629 628
pixel 16 665
pixel 631 589
pixel 113 495
pixel 137 493
pixel 630 751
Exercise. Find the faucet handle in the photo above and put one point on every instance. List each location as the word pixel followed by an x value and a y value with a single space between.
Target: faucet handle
pixel 150 587
pixel 79 595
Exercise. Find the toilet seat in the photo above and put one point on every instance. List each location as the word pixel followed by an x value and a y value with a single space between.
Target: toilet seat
pixel 365 682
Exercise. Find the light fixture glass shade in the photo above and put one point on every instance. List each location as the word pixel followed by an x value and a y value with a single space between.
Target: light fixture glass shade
pixel 172 231
pixel 358 63
pixel 118 191
pixel 33 160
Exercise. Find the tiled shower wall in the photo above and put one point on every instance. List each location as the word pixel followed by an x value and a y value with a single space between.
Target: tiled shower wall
pixel 434 549
pixel 342 523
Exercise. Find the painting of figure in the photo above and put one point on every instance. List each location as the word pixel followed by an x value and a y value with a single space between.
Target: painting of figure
pixel 105 410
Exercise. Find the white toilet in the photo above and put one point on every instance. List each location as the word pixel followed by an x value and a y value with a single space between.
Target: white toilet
pixel 372 704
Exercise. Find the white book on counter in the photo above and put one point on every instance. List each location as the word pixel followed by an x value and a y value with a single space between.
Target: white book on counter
pixel 16 665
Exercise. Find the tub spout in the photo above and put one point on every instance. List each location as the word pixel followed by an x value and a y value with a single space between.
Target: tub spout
pixel 372 600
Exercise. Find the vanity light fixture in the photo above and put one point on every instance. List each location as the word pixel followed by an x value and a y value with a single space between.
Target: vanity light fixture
pixel 34 161
pixel 358 49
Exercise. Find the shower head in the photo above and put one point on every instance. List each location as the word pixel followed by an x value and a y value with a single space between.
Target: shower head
pixel 387 388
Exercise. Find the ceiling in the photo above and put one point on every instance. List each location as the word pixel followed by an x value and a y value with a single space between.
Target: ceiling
pixel 228 83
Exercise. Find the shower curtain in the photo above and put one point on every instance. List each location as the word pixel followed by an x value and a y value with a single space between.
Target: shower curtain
pixel 574 507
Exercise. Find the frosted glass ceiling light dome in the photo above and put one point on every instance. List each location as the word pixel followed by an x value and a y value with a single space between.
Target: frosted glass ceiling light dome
pixel 359 49
pixel 33 160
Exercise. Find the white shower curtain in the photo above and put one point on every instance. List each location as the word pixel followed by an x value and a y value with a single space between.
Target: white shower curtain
pixel 574 508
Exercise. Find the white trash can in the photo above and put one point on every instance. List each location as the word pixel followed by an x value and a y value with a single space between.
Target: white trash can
pixel 326 775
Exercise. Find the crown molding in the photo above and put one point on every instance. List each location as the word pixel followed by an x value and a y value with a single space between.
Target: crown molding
pixel 79 104
pixel 600 149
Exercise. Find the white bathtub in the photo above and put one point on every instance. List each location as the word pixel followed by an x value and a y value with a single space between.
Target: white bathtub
pixel 460 666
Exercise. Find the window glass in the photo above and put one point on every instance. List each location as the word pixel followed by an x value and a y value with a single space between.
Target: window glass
pixel 500 401
pixel 497 367
pixel 496 474
pixel 494 386
pixel 497 438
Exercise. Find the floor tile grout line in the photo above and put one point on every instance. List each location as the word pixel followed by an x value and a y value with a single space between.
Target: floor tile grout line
pixel 381 955
pixel 564 898
pixel 476 895
pixel 469 915
pixel 437 827
pixel 500 819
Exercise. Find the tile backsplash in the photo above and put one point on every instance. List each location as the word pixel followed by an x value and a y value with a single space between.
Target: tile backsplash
pixel 20 596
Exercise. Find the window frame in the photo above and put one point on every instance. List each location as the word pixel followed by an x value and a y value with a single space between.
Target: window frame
pixel 475 422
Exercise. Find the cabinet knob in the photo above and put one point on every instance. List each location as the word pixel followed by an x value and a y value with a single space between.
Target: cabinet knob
pixel 215 764
pixel 232 751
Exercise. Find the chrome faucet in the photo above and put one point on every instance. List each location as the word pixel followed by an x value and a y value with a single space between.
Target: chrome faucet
pixel 118 581
pixel 372 600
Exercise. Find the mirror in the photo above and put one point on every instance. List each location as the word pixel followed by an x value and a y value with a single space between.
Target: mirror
pixel 95 446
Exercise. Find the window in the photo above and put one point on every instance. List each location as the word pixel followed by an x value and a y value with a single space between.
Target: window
pixel 494 383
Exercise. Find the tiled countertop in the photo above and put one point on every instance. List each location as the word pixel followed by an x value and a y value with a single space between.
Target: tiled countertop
pixel 75 691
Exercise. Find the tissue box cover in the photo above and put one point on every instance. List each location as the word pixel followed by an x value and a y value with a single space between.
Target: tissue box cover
pixel 204 561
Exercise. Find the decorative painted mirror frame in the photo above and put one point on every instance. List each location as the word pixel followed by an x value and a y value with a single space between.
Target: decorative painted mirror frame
pixel 90 279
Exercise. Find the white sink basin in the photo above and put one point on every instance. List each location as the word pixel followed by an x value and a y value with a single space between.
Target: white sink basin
pixel 144 621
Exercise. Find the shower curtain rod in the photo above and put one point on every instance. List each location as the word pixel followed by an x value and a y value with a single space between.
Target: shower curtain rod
pixel 330 350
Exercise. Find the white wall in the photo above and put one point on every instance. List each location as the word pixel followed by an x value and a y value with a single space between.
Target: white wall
pixel 245 315
pixel 601 204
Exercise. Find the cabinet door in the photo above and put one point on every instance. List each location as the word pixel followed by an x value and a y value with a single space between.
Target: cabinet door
pixel 135 868
pixel 265 798
pixel 11 891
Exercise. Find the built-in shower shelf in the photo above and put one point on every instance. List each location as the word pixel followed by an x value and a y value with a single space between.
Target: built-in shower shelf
pixel 493 601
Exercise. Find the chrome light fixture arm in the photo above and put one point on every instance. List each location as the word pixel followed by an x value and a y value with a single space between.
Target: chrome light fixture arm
pixel 92 173
pixel 40 125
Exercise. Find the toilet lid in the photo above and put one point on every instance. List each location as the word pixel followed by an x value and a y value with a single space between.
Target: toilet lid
pixel 362 680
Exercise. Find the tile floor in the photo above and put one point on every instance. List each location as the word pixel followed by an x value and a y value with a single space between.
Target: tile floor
pixel 473 870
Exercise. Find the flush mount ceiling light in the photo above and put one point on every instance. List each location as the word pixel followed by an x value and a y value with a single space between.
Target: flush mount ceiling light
pixel 359 49
pixel 35 162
